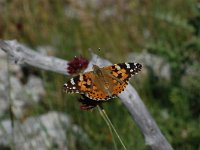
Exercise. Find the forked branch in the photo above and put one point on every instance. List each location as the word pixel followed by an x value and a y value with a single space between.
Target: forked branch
pixel 130 98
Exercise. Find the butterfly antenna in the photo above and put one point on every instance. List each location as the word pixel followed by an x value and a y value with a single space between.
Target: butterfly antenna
pixel 110 125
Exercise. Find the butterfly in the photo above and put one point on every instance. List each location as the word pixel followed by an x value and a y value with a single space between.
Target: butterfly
pixel 104 83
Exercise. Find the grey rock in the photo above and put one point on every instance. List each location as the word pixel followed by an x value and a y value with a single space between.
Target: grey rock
pixel 12 91
pixel 34 88
pixel 8 91
pixel 19 95
pixel 44 132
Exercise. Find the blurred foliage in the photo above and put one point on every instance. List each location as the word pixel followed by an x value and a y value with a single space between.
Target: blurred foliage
pixel 167 28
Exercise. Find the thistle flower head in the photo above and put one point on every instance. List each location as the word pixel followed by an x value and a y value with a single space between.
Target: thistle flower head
pixel 77 65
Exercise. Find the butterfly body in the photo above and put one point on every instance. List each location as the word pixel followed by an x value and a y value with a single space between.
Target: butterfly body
pixel 103 83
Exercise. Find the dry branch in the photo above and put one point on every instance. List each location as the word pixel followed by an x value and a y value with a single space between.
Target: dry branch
pixel 132 101
pixel 21 54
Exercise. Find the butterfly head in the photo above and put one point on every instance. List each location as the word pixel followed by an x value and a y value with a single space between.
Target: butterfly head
pixel 97 71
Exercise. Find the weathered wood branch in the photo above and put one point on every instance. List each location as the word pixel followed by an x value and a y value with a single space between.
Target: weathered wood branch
pixel 21 54
pixel 130 98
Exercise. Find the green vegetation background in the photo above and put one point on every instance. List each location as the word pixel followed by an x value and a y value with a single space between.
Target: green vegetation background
pixel 170 29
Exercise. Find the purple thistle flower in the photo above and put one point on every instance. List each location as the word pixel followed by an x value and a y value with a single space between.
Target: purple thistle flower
pixel 77 65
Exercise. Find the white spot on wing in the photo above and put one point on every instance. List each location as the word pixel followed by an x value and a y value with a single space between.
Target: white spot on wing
pixel 135 65
pixel 72 81
pixel 127 65
pixel 131 70
pixel 117 67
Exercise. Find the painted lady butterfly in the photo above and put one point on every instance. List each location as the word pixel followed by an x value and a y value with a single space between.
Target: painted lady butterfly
pixel 103 83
